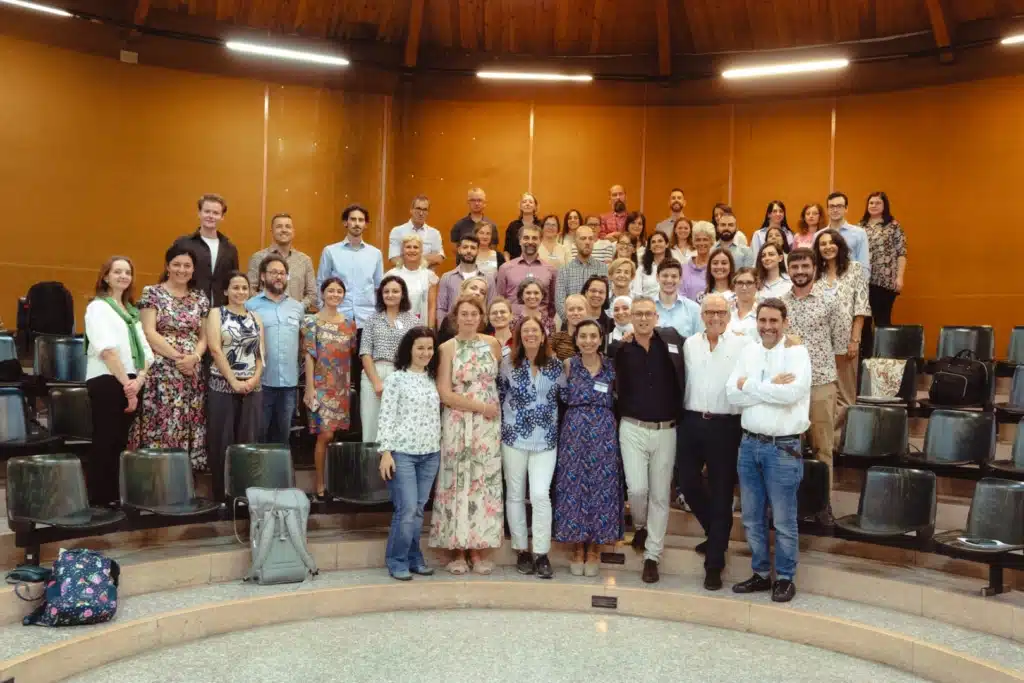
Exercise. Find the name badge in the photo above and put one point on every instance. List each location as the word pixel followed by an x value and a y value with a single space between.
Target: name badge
pixel 601 387
pixel 672 348
pixel 505 351
pixel 398 324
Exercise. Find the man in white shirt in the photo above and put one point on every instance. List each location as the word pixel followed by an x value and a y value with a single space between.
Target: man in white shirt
pixel 772 385
pixel 433 250
pixel 709 433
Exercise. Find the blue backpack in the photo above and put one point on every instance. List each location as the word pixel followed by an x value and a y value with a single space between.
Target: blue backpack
pixel 81 590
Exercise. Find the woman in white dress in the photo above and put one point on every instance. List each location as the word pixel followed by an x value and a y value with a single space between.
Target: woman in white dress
pixel 419 280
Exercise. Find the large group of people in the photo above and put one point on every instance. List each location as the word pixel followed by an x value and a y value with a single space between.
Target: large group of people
pixel 585 357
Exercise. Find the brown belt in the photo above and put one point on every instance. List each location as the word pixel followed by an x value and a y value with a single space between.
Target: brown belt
pixel 668 424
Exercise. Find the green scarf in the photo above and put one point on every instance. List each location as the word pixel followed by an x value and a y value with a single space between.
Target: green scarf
pixel 130 315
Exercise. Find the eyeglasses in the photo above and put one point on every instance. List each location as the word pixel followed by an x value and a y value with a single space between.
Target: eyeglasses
pixel 739 284
pixel 277 273
pixel 645 314
pixel 420 209
pixel 835 206
pixel 717 314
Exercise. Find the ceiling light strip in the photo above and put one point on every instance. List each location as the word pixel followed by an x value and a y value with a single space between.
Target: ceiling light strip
pixel 283 53
pixel 55 11
pixel 533 76
pixel 786 69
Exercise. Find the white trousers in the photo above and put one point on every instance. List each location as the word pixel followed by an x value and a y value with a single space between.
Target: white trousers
pixel 540 466
pixel 648 458
pixel 369 404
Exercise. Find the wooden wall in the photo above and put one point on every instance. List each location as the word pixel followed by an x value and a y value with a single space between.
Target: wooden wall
pixel 101 157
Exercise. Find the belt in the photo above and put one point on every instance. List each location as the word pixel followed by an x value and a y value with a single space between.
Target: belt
pixel 668 424
pixel 773 440
pixel 713 416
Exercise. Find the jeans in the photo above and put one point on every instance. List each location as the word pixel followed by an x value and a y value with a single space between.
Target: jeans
pixel 410 488
pixel 770 476
pixel 540 466
pixel 648 459
pixel 278 409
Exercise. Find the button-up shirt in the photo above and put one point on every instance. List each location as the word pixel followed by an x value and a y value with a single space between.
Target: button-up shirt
pixel 742 257
pixel 775 289
pixel 772 409
pixel 410 414
pixel 684 316
pixel 822 328
pixel 571 278
pixel 361 268
pixel 747 325
pixel 381 337
pixel 708 371
pixel 281 322
pixel 301 275
pixel 430 236
pixel 612 222
pixel 517 270
pixel 448 290
pixel 757 241
pixel 857 240
pixel 666 225
pixel 529 405
pixel 647 386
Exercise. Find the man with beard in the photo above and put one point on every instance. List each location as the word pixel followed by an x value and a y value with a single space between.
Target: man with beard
pixel 282 317
pixel 743 257
pixel 215 255
pixel 529 265
pixel 676 204
pixel 816 318
pixel 614 222
pixel 451 282
pixel 301 275
pixel 573 275
pixel 359 265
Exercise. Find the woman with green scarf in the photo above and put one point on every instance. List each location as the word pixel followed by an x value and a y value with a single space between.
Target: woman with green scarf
pixel 118 357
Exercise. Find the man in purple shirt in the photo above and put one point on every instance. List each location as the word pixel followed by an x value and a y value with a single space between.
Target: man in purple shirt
pixel 451 282
pixel 528 265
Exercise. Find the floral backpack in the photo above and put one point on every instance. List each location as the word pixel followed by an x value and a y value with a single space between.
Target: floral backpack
pixel 82 590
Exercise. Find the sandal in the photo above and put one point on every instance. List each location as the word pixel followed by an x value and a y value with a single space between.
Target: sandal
pixel 483 567
pixel 457 567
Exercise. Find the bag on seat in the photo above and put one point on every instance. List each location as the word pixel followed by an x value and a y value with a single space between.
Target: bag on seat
pixel 81 590
pixel 277 526
pixel 50 310
pixel 959 380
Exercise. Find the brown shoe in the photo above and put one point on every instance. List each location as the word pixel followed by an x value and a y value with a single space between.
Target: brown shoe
pixel 650 573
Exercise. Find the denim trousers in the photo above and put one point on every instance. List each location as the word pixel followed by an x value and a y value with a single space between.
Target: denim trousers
pixel 278 409
pixel 410 488
pixel 769 475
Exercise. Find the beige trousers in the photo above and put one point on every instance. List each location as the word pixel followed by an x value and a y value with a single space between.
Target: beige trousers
pixel 823 422
pixel 846 395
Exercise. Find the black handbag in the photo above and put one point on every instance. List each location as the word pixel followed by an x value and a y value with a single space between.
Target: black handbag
pixel 960 380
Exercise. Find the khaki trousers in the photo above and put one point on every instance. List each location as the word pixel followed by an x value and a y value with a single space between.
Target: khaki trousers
pixel 846 395
pixel 823 423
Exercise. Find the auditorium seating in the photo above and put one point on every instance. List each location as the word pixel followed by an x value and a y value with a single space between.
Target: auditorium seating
pixel 894 502
pixel 59 358
pixel 159 481
pixel 907 394
pixel 17 435
pixel 351 474
pixel 1014 354
pixel 873 434
pixel 8 348
pixel 813 497
pixel 898 341
pixel 955 439
pixel 1014 407
pixel 260 465
pixel 1015 466
pixel 70 416
pixel 978 339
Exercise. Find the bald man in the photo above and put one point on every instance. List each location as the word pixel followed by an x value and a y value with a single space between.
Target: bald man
pixel 476 199
pixel 615 220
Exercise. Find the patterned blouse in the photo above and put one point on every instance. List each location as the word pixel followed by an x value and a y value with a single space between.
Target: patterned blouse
pixel 381 338
pixel 410 414
pixel 240 341
pixel 886 243
pixel 529 405
pixel 563 345
pixel 851 289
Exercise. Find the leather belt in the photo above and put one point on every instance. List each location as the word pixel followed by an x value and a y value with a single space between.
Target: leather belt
pixel 773 440
pixel 713 416
pixel 669 424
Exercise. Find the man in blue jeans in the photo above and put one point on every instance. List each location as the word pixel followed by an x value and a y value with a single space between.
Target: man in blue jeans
pixel 772 385
pixel 282 319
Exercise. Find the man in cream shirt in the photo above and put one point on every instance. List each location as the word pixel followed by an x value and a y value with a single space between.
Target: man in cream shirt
pixel 771 383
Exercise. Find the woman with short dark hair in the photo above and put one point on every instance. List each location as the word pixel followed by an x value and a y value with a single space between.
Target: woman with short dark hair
pixel 887 244
pixel 409 439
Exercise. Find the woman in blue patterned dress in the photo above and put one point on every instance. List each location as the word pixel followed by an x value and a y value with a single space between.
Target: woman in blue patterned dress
pixel 588 478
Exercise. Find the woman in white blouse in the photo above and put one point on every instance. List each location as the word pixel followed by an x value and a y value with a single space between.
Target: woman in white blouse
pixel 772 280
pixel 744 308
pixel 409 439
pixel 420 280
pixel 552 251
pixel 646 281
pixel 117 358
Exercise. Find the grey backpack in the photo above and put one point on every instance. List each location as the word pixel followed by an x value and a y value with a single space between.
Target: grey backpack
pixel 277 527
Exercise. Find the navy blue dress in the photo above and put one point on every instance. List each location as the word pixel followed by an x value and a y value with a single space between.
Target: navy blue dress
pixel 588 476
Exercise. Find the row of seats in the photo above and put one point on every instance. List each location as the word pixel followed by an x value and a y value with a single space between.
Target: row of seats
pixel 54 358
pixel 907 341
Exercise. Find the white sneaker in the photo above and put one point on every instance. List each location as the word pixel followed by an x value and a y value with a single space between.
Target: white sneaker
pixel 682 503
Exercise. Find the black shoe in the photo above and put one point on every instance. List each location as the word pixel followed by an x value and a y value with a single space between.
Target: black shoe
pixel 524 562
pixel 701 548
pixel 543 565
pixel 825 517
pixel 650 573
pixel 755 584
pixel 639 539
pixel 713 579
pixel 783 591
pixel 422 571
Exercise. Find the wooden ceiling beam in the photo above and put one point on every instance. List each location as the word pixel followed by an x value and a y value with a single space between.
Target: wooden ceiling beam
pixel 412 40
pixel 940 29
pixel 664 38
pixel 595 30
pixel 141 12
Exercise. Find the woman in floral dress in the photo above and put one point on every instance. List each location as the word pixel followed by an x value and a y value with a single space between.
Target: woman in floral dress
pixel 173 411
pixel 468 514
pixel 328 342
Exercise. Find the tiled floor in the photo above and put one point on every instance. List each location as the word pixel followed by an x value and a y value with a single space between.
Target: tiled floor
pixel 495 646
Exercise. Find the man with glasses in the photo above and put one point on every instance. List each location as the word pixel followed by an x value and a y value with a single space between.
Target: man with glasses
pixel 650 374
pixel 433 250
pixel 282 318
pixel 476 200
pixel 855 236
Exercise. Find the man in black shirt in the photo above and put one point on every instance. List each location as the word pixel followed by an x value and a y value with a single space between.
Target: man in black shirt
pixel 650 375
pixel 216 257
pixel 476 200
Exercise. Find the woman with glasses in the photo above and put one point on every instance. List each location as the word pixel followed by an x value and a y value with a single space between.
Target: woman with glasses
pixel 744 311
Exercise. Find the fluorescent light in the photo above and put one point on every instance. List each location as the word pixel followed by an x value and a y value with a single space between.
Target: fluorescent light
pixel 528 76
pixel 38 8
pixel 1013 40
pixel 282 53
pixel 785 69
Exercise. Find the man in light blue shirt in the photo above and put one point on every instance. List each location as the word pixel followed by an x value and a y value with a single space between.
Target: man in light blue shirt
pixel 282 319
pixel 742 257
pixel 855 236
pixel 674 310
pixel 359 265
